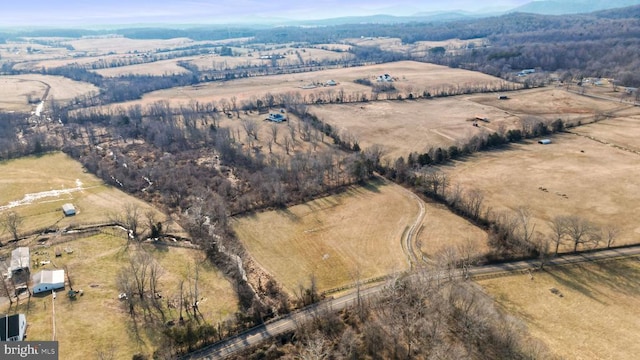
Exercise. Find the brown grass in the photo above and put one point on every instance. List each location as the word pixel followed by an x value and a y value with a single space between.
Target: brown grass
pixel 14 90
pixel 599 181
pixel 441 228
pixel 597 317
pixel 158 68
pixel 122 45
pixel 414 76
pixel 402 127
pixel 98 321
pixel 332 238
pixel 14 93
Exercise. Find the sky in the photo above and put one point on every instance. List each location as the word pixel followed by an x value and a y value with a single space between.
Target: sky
pixel 95 12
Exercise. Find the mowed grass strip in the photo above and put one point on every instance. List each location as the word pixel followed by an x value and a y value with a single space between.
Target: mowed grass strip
pixel 98 321
pixel 333 238
pixel 597 317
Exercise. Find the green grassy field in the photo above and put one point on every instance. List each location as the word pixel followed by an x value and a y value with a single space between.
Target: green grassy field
pixel 36 187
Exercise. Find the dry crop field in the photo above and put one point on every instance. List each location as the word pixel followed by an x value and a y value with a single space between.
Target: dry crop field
pixel 98 321
pixel 402 127
pixel 332 238
pixel 597 316
pixel 574 175
pixel 36 187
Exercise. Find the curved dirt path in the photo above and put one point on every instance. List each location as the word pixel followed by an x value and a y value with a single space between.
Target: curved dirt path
pixel 408 239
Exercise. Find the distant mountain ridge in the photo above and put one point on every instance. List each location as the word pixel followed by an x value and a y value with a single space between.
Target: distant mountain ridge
pixel 560 7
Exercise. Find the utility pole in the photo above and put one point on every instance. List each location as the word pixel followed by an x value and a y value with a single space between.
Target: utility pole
pixel 53 313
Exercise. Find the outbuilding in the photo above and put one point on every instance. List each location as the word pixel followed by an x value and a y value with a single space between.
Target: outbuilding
pixel 544 141
pixel 13 327
pixel 20 260
pixel 47 280
pixel 68 209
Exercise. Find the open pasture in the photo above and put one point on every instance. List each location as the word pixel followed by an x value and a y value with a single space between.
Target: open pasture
pixel 15 93
pixel 85 61
pixel 621 131
pixel 551 104
pixel 573 175
pixel 36 187
pixel 156 68
pixel 251 57
pixel 402 127
pixel 596 317
pixel 97 321
pixel 410 76
pixel 441 229
pixel 20 51
pixel 333 238
pixel 15 89
pixel 121 45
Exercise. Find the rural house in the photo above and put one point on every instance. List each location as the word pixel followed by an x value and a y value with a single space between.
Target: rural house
pixel 47 280
pixel 20 260
pixel 13 327
pixel 385 78
pixel 68 209
pixel 277 118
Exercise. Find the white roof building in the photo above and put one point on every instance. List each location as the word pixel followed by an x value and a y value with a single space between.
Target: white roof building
pixel 47 280
pixel 20 260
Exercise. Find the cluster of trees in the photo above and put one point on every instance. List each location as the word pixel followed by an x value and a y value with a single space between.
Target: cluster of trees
pixel 181 159
pixel 417 317
pixel 603 44
pixel 18 139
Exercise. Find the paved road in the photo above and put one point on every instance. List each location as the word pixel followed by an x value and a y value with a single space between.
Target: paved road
pixel 256 335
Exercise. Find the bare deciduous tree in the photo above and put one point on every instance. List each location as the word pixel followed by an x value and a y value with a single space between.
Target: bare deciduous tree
pixel 610 234
pixel 250 127
pixel 274 132
pixel 11 222
pixel 582 232
pixel 560 231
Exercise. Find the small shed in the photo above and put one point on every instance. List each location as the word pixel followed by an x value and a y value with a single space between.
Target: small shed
pixel 47 280
pixel 20 260
pixel 13 327
pixel 544 141
pixel 68 209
